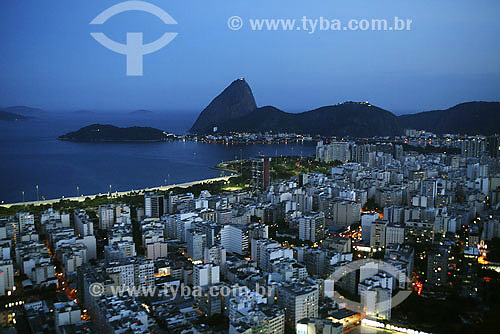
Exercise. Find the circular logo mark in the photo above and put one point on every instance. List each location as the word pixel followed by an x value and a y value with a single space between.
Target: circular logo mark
pixel 235 23
pixel 96 289
pixel 382 267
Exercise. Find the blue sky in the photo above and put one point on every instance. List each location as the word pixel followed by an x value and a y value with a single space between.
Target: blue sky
pixel 452 54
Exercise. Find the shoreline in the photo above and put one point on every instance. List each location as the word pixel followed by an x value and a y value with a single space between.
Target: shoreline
pixel 82 198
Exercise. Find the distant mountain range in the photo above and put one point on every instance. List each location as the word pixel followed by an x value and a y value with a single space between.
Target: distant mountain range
pixel 8 116
pixel 467 118
pixel 349 119
pixel 24 111
pixel 18 113
pixel 235 110
pixel 110 133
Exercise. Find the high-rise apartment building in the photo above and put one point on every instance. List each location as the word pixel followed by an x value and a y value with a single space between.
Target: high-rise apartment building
pixel 154 205
pixel 494 146
pixel 473 147
pixel 234 238
pixel 438 259
pixel 377 233
pixel 106 216
pixel 312 227
pixel 300 301
pixel 336 151
pixel 206 274
pixel 261 173
pixel 196 244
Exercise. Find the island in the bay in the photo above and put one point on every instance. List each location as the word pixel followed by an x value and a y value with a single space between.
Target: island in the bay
pixel 110 133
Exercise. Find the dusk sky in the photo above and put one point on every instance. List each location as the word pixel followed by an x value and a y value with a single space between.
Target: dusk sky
pixel 451 55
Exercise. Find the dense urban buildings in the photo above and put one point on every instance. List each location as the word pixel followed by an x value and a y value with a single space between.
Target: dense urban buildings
pixel 321 251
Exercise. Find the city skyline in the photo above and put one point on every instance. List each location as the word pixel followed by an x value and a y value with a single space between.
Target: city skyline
pixel 249 167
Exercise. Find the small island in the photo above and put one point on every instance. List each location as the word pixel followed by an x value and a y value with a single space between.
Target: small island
pixel 110 133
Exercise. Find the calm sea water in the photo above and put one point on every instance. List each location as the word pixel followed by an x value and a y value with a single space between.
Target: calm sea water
pixel 31 155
